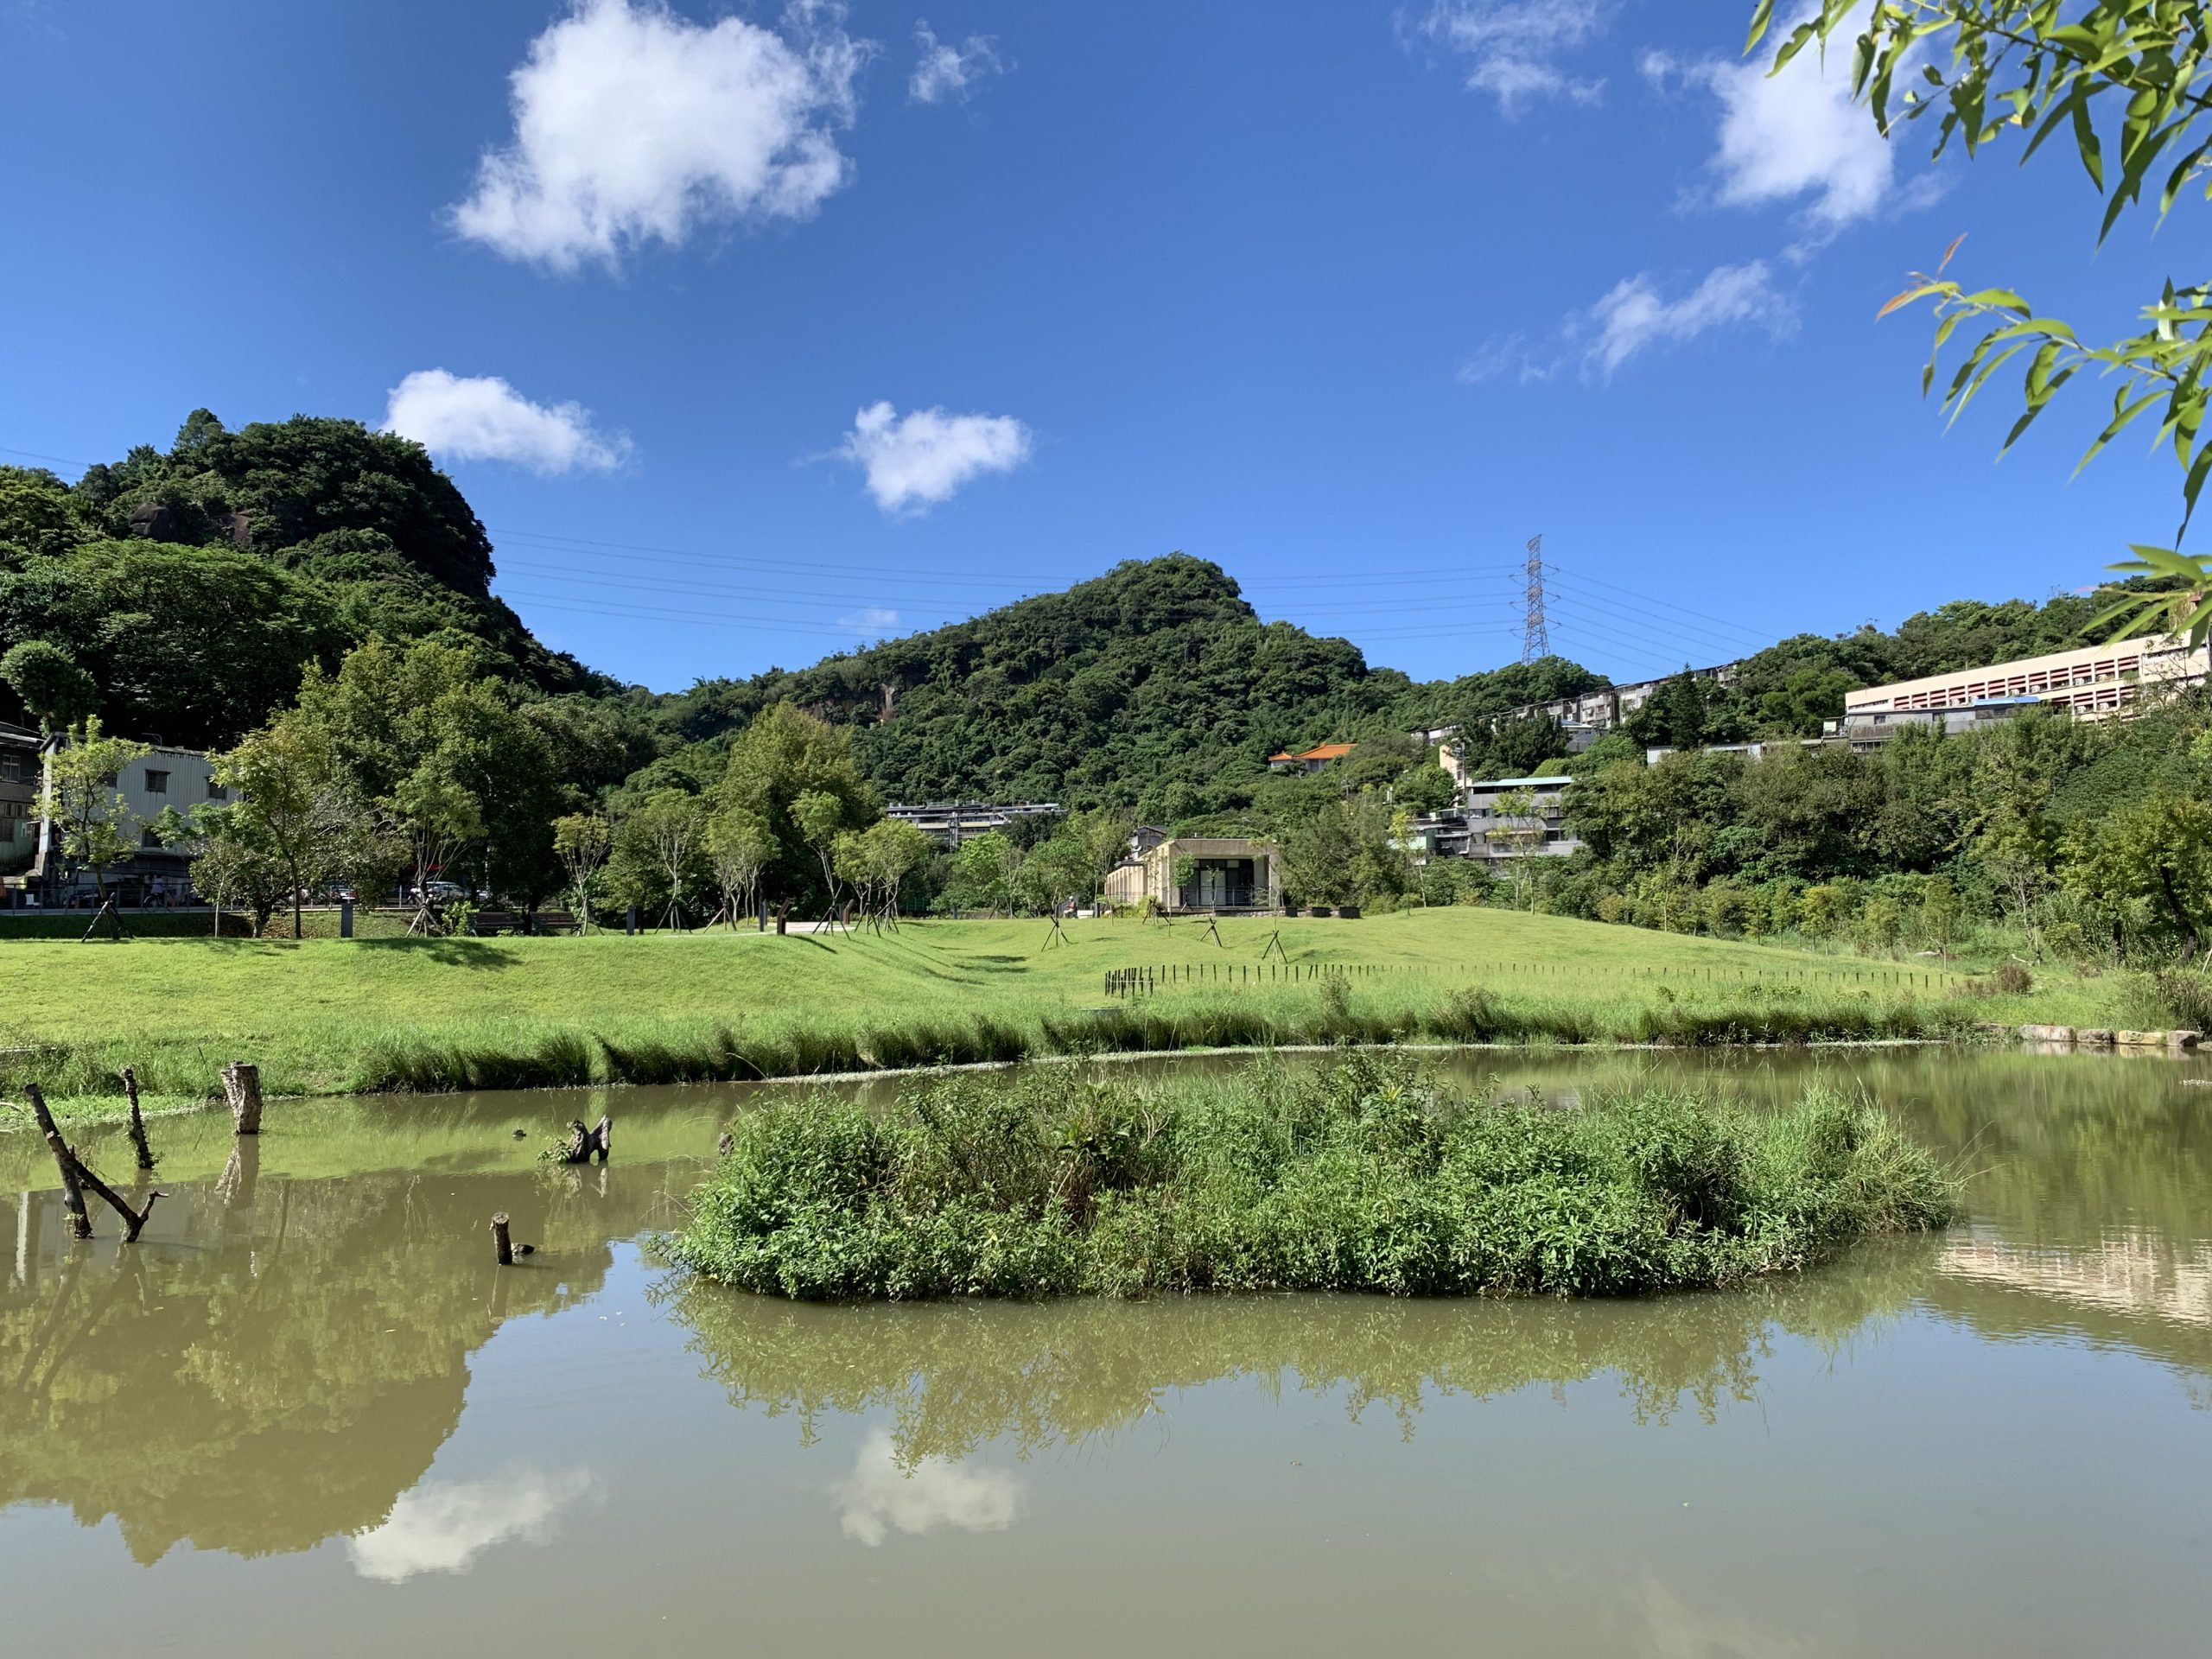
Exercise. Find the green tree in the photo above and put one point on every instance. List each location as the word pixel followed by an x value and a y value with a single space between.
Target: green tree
pixel 783 755
pixel 2157 851
pixel 582 842
pixel 46 680
pixel 290 808
pixel 79 796
pixel 985 869
pixel 738 848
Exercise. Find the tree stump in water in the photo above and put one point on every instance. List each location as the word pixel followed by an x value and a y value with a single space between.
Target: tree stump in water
pixel 724 1142
pixel 584 1144
pixel 242 1085
pixel 501 1243
pixel 138 1122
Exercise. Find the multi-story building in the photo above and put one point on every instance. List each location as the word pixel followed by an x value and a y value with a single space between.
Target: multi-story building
pixel 2094 682
pixel 1499 820
pixel 19 789
pixel 949 822
pixel 1867 729
pixel 161 778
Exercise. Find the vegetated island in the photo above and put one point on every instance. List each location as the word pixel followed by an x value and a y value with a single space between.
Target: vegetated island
pixel 1369 1175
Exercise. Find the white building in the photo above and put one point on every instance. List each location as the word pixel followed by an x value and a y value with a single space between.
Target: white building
pixel 2094 682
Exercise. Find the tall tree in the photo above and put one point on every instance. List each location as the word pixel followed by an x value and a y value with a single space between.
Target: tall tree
pixel 98 828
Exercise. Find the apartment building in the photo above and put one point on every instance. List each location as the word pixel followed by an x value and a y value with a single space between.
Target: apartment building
pixel 2093 683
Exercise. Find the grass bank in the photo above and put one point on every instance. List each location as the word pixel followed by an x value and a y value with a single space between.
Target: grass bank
pixel 330 1016
pixel 1367 1176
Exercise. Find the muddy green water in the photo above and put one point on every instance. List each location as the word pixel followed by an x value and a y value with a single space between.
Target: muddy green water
pixel 307 1415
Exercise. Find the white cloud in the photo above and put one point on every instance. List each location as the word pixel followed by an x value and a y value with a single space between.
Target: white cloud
pixel 481 417
pixel 943 71
pixel 444 1526
pixel 633 125
pixel 1796 137
pixel 914 460
pixel 1633 317
pixel 873 622
pixel 1514 47
pixel 881 1495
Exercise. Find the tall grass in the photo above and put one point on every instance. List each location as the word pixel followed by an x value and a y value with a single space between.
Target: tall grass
pixel 1364 1176
pixel 330 1055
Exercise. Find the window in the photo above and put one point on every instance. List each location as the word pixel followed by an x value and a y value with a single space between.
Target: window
pixel 216 792
pixel 148 838
pixel 157 783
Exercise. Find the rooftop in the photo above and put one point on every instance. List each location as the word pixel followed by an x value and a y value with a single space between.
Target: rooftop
pixel 1319 751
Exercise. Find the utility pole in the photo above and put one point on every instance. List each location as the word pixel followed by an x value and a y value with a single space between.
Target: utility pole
pixel 1536 639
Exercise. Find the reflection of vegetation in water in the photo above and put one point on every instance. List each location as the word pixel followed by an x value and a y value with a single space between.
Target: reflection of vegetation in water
pixel 1367 1175
pixel 1055 1373
pixel 280 1360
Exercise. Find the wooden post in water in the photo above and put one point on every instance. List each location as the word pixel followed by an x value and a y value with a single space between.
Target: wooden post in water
pixel 73 1191
pixel 242 1086
pixel 145 1153
pixel 503 1245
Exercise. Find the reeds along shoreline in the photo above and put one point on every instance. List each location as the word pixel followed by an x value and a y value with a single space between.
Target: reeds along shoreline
pixel 1366 1176
pixel 331 1058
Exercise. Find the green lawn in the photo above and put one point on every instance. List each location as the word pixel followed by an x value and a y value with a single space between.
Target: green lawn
pixel 325 1016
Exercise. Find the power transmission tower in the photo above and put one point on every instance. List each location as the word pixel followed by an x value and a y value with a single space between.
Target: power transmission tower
pixel 1536 639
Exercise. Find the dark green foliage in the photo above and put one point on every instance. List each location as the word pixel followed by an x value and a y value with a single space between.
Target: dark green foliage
pixel 1362 1176
pixel 1154 686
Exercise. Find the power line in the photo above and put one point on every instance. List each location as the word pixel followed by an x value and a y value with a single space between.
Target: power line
pixel 1734 627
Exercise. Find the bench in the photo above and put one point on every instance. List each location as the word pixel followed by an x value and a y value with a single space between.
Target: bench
pixel 486 922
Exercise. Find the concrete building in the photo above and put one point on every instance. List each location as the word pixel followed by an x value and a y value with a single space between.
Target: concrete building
pixel 1202 873
pixel 1867 730
pixel 949 822
pixel 19 789
pixel 1312 760
pixel 2094 682
pixel 163 778
pixel 1499 831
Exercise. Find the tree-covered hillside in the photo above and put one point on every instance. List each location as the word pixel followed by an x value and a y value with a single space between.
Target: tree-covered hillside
pixel 195 587
pixel 1155 685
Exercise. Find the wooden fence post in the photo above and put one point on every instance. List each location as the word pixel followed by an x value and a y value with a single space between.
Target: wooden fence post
pixel 242 1086
pixel 145 1153
pixel 501 1243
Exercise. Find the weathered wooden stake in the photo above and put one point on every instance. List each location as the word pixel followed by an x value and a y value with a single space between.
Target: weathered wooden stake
pixel 500 1242
pixel 138 1122
pixel 73 1194
pixel 242 1083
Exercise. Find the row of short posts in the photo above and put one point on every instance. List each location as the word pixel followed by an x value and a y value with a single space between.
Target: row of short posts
pixel 1134 981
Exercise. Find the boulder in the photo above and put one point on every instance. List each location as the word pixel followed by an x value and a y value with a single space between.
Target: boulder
pixel 2047 1034
pixel 2094 1037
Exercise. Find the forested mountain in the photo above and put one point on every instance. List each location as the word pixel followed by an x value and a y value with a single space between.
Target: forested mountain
pixel 1154 686
pixel 195 586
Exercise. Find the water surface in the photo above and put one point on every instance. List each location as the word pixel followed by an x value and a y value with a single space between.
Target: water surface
pixel 307 1413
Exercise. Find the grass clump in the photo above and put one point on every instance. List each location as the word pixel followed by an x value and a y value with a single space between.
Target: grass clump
pixel 1367 1175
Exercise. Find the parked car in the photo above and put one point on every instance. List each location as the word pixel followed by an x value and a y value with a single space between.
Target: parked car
pixel 439 893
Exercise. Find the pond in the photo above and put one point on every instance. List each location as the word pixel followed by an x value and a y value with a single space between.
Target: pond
pixel 308 1414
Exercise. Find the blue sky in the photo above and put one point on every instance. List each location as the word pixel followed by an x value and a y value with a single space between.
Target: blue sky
pixel 753 332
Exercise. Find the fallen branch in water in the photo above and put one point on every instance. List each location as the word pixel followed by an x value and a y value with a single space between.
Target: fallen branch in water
pixel 76 1178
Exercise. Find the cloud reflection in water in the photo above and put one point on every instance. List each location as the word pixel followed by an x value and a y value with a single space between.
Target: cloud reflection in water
pixel 882 1494
pixel 444 1526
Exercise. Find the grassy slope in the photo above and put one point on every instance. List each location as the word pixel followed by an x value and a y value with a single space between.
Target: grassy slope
pixel 318 1015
